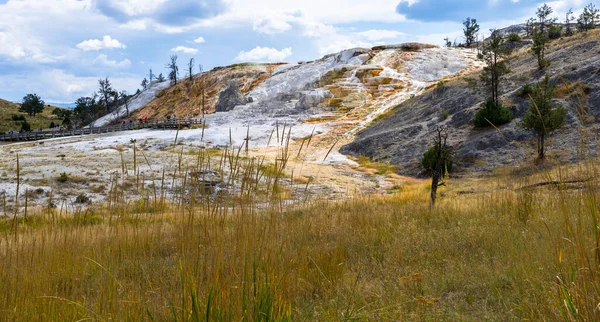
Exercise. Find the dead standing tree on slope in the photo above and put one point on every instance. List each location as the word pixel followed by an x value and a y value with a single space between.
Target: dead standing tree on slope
pixel 441 160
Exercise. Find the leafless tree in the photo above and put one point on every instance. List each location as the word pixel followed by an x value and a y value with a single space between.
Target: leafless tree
pixel 105 90
pixel 441 149
pixel 151 76
pixel 173 69
pixel 125 98
pixel 191 69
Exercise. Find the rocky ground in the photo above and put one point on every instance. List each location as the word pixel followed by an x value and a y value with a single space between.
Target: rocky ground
pixel 319 105
pixel 406 133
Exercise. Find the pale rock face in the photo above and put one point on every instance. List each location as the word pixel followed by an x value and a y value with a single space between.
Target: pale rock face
pixel 137 102
pixel 433 64
pixel 310 99
pixel 370 81
pixel 230 98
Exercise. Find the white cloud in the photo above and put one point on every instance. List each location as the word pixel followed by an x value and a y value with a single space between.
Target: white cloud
pixel 134 8
pixel 185 50
pixel 96 44
pixel 274 22
pixel 10 47
pixel 140 24
pixel 55 85
pixel 259 54
pixel 199 40
pixel 165 29
pixel 103 60
pixel 375 34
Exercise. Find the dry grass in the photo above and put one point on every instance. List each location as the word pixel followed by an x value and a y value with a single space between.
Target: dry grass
pixel 260 254
pixel 375 167
pixel 43 120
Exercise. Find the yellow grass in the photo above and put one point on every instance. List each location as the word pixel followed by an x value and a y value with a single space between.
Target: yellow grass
pixel 490 255
pixel 43 120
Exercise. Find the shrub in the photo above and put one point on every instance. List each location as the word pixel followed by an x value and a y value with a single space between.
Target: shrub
pixel 82 199
pixel 52 125
pixel 25 126
pixel 555 32
pixel 64 177
pixel 514 37
pixel 443 114
pixel 16 117
pixel 429 160
pixel 490 113
pixel 525 91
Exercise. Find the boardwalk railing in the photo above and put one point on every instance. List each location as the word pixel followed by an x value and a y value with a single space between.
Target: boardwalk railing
pixel 55 133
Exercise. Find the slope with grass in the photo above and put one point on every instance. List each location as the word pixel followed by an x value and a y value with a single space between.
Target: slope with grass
pixel 41 120
pixel 189 97
pixel 404 134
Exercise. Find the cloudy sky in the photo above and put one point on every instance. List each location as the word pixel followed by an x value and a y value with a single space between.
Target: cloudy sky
pixel 59 48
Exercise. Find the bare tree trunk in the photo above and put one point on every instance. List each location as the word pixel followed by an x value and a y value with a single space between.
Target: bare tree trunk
pixel 440 143
pixel 434 186
pixel 541 147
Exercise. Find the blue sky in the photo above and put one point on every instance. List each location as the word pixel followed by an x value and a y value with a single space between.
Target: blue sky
pixel 60 48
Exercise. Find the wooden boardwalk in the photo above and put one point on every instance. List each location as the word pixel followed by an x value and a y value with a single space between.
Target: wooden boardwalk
pixel 55 133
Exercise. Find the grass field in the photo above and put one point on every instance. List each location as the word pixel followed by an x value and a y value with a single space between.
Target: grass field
pixel 489 250
pixel 8 109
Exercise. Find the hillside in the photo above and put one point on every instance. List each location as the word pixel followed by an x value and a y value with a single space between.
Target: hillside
pixel 8 109
pixel 186 98
pixel 405 134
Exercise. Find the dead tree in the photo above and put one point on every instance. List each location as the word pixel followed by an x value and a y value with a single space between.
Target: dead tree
pixel 191 69
pixel 441 151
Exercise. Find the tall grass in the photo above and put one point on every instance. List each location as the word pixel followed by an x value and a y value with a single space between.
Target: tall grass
pixel 231 238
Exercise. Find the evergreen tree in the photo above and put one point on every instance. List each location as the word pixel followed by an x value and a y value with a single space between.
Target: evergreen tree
pixel 588 18
pixel 529 26
pixel 494 54
pixel 471 28
pixel 32 104
pixel 144 83
pixel 568 19
pixel 540 44
pixel 543 116
pixel 544 20
pixel 540 35
pixel 160 78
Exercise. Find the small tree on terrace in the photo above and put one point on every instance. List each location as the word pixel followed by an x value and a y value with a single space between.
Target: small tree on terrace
pixel 543 116
pixel 173 69
pixel 32 104
pixel 493 113
pixel 568 19
pixel 543 15
pixel 470 30
pixel 529 26
pixel 588 18
pixel 540 35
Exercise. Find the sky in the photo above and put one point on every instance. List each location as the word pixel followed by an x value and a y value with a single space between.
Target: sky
pixel 60 48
